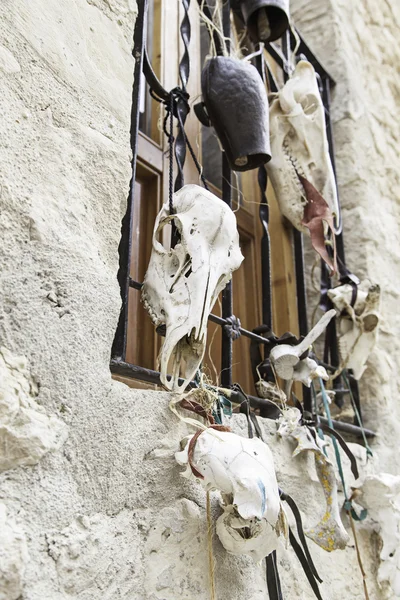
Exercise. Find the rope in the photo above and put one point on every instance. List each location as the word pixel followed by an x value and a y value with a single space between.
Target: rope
pixel 348 501
pixel 211 563
pixel 360 564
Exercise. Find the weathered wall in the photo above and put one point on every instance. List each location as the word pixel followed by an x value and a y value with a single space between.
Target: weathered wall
pixel 92 503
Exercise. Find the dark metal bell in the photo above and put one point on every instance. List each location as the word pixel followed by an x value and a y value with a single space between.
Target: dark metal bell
pixel 236 101
pixel 266 20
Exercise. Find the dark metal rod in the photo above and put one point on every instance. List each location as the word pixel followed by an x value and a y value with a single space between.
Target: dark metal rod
pixel 348 428
pixel 215 319
pixel 127 370
pixel 227 300
pixel 300 284
pixel 266 283
pixel 125 245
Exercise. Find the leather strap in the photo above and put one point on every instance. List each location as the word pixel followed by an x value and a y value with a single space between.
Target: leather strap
pixel 303 560
pixel 300 531
pixel 273 581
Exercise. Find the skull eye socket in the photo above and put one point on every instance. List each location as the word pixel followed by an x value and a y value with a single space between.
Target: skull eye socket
pixel 309 104
pixel 162 237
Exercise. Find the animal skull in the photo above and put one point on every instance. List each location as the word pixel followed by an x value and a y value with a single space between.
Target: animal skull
pixel 243 471
pixel 358 324
pixel 300 169
pixel 286 362
pixel 182 284
pixel 329 533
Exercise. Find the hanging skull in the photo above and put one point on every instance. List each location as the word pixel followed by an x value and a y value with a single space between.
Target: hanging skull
pixel 300 169
pixel 329 533
pixel 182 284
pixel 287 360
pixel 242 469
pixel 358 316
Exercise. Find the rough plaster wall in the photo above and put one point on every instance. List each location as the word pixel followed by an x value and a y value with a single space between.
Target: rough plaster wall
pixel 105 515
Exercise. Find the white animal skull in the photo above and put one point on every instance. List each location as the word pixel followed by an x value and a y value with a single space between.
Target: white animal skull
pixel 329 533
pixel 182 284
pixel 358 324
pixel 299 147
pixel 286 362
pixel 243 471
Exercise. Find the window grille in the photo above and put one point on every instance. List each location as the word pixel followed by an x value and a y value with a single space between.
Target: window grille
pixel 231 327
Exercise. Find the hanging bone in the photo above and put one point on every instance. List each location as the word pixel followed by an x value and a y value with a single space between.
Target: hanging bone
pixel 300 169
pixel 182 284
pixel 358 321
pixel 287 362
pixel 242 469
pixel 329 533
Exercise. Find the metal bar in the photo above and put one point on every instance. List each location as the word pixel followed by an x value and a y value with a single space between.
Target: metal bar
pixel 125 245
pixel 265 240
pixel 127 370
pixel 215 319
pixel 305 50
pixel 300 284
pixel 227 300
pixel 349 428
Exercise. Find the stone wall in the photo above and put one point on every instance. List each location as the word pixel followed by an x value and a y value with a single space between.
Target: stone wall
pixel 92 505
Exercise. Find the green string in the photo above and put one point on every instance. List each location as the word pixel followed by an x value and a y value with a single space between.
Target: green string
pixel 325 400
pixel 354 405
pixel 347 504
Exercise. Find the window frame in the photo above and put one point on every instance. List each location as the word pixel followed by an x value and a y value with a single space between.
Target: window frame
pixel 143 146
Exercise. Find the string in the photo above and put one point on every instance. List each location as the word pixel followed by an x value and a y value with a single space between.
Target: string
pixel 211 563
pixel 360 564
pixel 348 503
pixel 358 417
pixel 212 27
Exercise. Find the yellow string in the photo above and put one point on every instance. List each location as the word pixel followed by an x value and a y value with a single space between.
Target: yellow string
pixel 211 563
pixel 364 576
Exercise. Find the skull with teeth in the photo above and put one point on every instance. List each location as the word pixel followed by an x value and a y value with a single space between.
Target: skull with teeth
pixel 300 169
pixel 182 284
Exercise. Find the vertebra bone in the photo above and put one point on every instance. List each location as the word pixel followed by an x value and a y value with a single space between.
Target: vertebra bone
pixel 329 533
pixel 358 324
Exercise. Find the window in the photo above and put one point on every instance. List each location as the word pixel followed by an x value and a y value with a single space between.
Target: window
pixel 136 343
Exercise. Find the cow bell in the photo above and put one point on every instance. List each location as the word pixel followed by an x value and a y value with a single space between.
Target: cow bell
pixel 235 102
pixel 266 20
